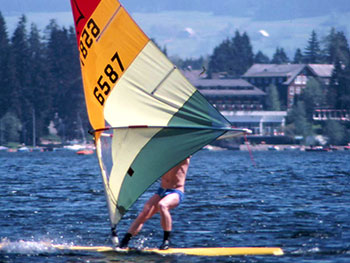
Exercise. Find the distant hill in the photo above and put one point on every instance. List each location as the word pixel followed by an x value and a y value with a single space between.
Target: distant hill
pixel 190 28
pixel 257 9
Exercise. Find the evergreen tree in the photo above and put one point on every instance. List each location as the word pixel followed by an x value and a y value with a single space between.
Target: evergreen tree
pixel 245 55
pixel 5 77
pixel 297 123
pixel 313 97
pixel 75 86
pixel 333 95
pixel 298 57
pixel 280 57
pixel 330 47
pixel 272 99
pixel 335 132
pixel 338 96
pixel 233 56
pixel 10 128
pixel 312 54
pixel 38 95
pixel 261 58
pixel 20 87
pixel 65 81
pixel 342 49
pixel 219 60
pixel 343 98
pixel 336 48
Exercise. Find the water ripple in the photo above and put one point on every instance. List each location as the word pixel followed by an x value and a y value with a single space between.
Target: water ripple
pixel 297 200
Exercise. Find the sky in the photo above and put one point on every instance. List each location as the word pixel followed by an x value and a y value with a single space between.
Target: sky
pixel 193 30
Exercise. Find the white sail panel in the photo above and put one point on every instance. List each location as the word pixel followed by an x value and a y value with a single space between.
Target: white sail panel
pixel 141 96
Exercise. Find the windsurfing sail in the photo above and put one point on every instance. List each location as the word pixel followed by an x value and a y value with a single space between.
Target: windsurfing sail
pixel 146 115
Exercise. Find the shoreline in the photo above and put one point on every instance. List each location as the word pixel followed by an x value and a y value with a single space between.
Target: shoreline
pixel 289 147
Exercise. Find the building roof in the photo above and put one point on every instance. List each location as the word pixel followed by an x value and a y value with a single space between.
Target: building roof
pixel 232 92
pixel 223 83
pixel 193 74
pixel 222 87
pixel 322 70
pixel 272 70
pixel 289 71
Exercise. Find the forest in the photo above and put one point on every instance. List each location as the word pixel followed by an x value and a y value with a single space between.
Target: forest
pixel 40 80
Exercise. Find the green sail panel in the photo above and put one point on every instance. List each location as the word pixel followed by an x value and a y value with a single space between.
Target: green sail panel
pixel 198 112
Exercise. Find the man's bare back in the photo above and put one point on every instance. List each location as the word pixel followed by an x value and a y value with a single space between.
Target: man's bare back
pixel 175 177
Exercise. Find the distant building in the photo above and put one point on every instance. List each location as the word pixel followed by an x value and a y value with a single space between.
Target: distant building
pixel 240 102
pixel 290 79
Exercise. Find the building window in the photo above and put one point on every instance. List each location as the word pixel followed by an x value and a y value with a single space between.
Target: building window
pixel 300 80
pixel 291 90
pixel 290 102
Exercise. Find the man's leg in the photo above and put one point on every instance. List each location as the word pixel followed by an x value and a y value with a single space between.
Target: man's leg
pixel 149 209
pixel 168 202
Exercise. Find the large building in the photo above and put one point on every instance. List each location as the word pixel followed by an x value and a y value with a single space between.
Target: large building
pixel 242 101
pixel 290 79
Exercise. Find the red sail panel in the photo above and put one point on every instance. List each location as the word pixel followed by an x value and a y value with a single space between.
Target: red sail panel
pixel 82 10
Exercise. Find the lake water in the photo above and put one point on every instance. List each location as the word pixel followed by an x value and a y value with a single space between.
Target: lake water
pixel 299 201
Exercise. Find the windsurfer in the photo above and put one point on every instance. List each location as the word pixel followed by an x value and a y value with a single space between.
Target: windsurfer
pixel 168 196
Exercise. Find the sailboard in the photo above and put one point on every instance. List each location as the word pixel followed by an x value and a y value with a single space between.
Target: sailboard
pixel 146 116
pixel 202 251
pixel 206 251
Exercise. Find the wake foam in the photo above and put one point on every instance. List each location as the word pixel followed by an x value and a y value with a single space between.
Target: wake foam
pixel 27 247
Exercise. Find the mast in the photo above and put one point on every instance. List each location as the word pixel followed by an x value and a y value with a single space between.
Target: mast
pixel 34 128
pixel 1 133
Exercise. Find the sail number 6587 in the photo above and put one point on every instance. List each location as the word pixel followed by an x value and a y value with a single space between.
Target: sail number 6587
pixel 107 79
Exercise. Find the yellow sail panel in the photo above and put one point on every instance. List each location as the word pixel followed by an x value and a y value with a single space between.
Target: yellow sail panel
pixel 111 42
pixel 155 89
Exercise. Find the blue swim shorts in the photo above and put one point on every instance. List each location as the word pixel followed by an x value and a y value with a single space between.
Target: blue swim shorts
pixel 164 192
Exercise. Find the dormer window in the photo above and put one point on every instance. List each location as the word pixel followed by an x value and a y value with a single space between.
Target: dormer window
pixel 300 80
